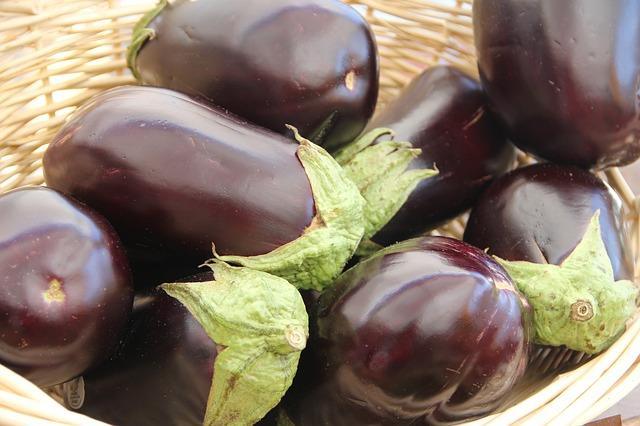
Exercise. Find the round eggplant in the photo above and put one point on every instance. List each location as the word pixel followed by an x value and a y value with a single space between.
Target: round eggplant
pixel 181 363
pixel 309 63
pixel 564 76
pixel 559 232
pixel 65 286
pixel 540 213
pixel 178 176
pixel 444 113
pixel 429 331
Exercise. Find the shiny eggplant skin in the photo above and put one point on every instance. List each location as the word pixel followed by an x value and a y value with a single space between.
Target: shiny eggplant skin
pixel 564 76
pixel 307 63
pixel 65 286
pixel 541 212
pixel 176 175
pixel 161 374
pixel 430 331
pixel 445 113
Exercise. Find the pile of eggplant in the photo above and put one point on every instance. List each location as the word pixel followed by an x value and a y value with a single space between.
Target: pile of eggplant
pixel 239 240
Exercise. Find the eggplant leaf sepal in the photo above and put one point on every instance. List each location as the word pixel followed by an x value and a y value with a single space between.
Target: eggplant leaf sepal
pixel 577 303
pixel 141 34
pixel 316 258
pixel 261 323
pixel 380 170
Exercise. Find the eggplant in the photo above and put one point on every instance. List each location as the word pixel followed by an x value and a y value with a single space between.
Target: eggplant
pixel 309 63
pixel 444 113
pixel 564 76
pixel 171 361
pixel 429 331
pixel 537 220
pixel 151 267
pixel 177 176
pixel 65 286
pixel 163 371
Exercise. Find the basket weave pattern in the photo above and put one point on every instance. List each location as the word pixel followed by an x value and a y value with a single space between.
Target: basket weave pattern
pixel 56 54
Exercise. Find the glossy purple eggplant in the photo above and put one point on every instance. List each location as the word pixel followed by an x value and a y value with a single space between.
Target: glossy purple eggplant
pixel 176 175
pixel 429 331
pixel 161 374
pixel 309 63
pixel 65 286
pixel 540 213
pixel 444 112
pixel 564 76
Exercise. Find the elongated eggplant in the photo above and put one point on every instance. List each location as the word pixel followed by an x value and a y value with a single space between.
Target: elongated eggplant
pixel 180 364
pixel 309 63
pixel 564 76
pixel 178 175
pixel 445 114
pixel 65 286
pixel 429 331
pixel 559 232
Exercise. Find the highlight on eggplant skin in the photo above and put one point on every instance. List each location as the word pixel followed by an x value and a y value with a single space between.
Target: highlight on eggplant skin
pixel 174 174
pixel 428 331
pixel 65 286
pixel 445 113
pixel 309 63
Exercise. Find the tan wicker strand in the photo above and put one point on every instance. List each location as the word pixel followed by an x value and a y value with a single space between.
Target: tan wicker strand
pixel 55 54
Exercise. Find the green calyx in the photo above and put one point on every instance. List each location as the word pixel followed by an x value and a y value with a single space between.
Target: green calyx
pixel 578 303
pixel 141 34
pixel 381 173
pixel 315 259
pixel 261 322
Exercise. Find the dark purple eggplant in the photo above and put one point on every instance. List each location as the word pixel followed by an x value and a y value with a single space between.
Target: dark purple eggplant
pixel 429 331
pixel 65 286
pixel 151 267
pixel 541 212
pixel 178 176
pixel 564 76
pixel 444 113
pixel 161 374
pixel 540 218
pixel 309 63
pixel 170 359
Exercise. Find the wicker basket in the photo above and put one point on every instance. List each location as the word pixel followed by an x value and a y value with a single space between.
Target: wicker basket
pixel 55 54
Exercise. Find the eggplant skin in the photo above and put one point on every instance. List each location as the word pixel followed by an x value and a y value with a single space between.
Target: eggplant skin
pixel 161 374
pixel 445 113
pixel 564 76
pixel 541 212
pixel 176 175
pixel 65 286
pixel 430 331
pixel 301 62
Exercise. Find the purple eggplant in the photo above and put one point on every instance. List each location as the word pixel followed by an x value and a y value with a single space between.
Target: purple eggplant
pixel 564 76
pixel 559 231
pixel 170 368
pixel 309 63
pixel 175 175
pixel 429 331
pixel 65 286
pixel 444 113
pixel 162 373
pixel 540 213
